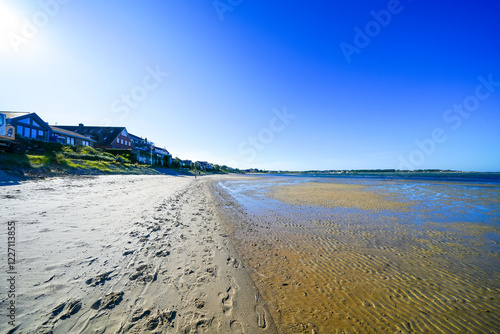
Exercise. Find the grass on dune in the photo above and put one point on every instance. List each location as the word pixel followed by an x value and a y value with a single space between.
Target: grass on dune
pixel 77 160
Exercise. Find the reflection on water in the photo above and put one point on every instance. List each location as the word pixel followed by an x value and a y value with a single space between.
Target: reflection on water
pixel 336 268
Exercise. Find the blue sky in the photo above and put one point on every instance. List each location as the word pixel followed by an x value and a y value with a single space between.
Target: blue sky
pixel 268 84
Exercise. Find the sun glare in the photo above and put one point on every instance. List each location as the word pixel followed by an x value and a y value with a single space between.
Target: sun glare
pixel 9 23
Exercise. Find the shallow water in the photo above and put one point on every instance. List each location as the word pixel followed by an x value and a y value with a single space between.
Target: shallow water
pixel 430 265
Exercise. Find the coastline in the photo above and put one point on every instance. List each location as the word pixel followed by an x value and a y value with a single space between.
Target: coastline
pixel 126 254
pixel 169 254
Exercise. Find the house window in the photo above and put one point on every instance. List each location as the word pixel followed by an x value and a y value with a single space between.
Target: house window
pixel 40 133
pixel 37 124
pixel 33 133
pixel 27 132
pixel 25 121
pixel 20 129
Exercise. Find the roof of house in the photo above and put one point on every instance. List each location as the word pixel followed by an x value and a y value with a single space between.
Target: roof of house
pixel 14 114
pixel 18 116
pixel 160 150
pixel 58 130
pixel 135 138
pixel 103 135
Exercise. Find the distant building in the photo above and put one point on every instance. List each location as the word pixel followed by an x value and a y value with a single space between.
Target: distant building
pixel 187 163
pixel 161 156
pixel 204 166
pixel 67 137
pixel 145 151
pixel 106 137
pixel 142 149
pixel 139 142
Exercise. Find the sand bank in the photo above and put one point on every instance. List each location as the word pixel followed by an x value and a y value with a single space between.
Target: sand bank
pixel 124 254
pixel 337 195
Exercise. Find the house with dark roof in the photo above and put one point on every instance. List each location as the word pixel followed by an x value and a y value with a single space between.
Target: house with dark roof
pixel 67 137
pixel 142 148
pixel 145 151
pixel 106 137
pixel 161 156
pixel 29 125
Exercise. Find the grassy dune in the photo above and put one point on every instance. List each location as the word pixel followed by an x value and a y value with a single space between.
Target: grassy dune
pixel 68 160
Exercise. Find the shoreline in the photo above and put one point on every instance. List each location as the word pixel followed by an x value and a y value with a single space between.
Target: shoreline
pixel 127 254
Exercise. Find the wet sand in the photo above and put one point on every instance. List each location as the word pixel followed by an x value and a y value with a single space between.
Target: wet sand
pixel 124 254
pixel 327 265
pixel 337 195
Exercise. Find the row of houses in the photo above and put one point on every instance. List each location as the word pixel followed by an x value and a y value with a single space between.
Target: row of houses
pixel 31 126
pixel 200 165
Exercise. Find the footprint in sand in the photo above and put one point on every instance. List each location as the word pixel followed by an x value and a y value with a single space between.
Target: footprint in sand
pixel 109 301
pixel 162 253
pixel 197 323
pixel 69 308
pixel 160 319
pixel 233 262
pixel 199 303
pixel 236 327
pixel 227 301
pixel 99 279
pixel 261 316
pixel 60 312
pixel 139 314
pixel 150 321
pixel 141 274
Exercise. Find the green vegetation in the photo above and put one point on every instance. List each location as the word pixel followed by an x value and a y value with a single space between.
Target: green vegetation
pixel 9 161
pixel 52 160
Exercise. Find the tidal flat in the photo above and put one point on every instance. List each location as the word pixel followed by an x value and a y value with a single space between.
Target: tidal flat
pixel 370 255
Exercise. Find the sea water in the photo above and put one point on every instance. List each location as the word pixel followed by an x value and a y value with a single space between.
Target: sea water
pixel 431 264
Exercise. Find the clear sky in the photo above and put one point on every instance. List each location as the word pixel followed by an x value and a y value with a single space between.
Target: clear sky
pixel 293 85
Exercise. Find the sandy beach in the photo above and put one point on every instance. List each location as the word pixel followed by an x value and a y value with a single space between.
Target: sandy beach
pixel 123 254
pixel 247 254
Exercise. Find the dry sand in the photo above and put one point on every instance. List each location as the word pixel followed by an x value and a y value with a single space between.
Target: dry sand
pixel 124 254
